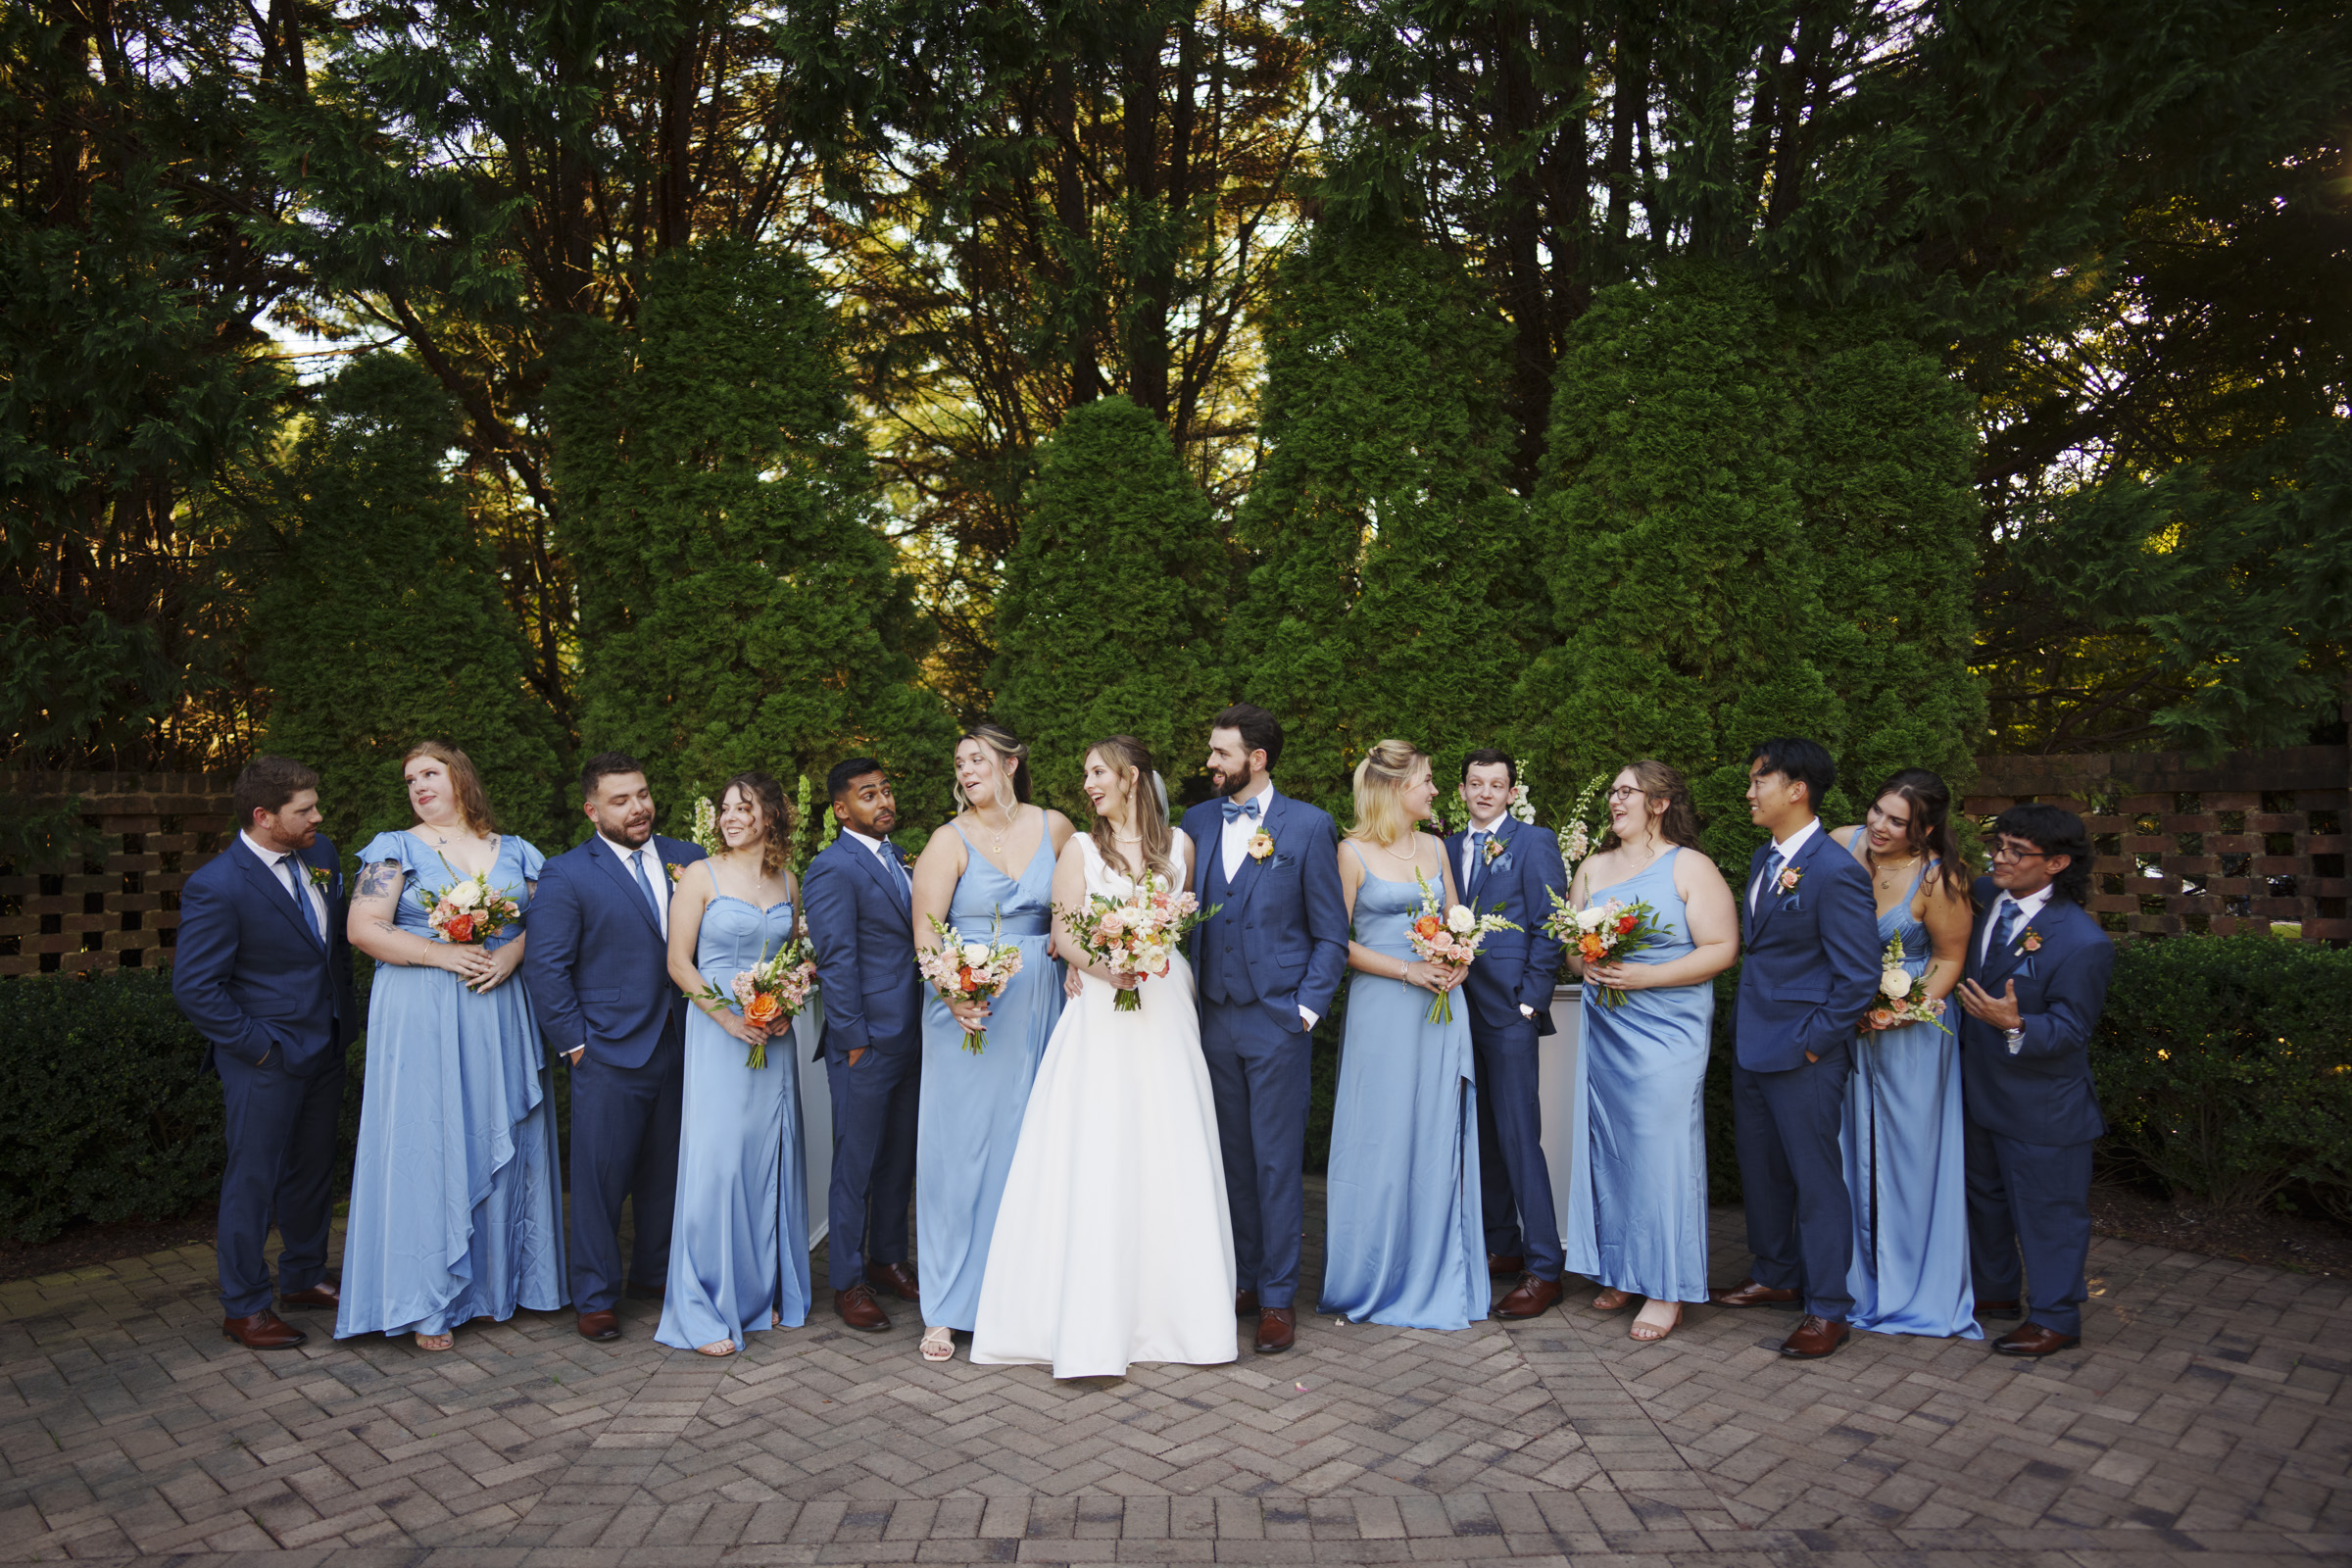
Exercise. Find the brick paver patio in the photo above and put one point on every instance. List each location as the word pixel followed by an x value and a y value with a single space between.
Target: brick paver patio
pixel 2208 1419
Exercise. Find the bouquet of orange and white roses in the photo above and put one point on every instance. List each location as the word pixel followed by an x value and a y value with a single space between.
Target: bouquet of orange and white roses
pixel 969 972
pixel 771 992
pixel 1139 933
pixel 469 911
pixel 1605 933
pixel 1451 936
pixel 1901 998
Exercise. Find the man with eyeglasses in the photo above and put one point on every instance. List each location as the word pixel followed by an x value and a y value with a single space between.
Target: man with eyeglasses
pixel 2035 981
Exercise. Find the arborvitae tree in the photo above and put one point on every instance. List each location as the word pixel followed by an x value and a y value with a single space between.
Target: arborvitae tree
pixel 1110 620
pixel 1393 592
pixel 1688 594
pixel 739 605
pixel 381 622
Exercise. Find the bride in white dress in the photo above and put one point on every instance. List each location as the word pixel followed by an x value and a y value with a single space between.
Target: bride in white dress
pixel 1112 1243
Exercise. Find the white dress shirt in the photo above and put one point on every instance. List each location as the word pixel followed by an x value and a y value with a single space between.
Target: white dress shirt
pixel 1786 849
pixel 657 875
pixel 1240 830
pixel 2026 908
pixel 286 869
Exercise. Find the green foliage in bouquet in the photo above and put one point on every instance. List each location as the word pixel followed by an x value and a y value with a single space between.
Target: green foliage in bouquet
pixel 1391 590
pixel 739 604
pixel 381 621
pixel 1111 616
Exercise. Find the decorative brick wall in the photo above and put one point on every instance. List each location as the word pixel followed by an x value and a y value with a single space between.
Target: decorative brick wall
pixel 2253 840
pixel 121 908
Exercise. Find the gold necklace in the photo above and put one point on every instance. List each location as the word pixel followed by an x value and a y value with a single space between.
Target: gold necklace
pixel 997 844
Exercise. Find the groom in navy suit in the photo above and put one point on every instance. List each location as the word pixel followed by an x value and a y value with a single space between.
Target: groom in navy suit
pixel 861 902
pixel 2035 984
pixel 263 970
pixel 598 965
pixel 1809 970
pixel 1502 865
pixel 1270 962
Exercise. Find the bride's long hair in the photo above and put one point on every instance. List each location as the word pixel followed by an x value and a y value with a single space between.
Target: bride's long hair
pixel 1132 760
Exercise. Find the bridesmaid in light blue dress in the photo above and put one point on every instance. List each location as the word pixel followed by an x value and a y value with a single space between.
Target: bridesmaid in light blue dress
pixel 1636 1222
pixel 970 1117
pixel 456 1206
pixel 1405 1230
pixel 739 1246
pixel 1904 1145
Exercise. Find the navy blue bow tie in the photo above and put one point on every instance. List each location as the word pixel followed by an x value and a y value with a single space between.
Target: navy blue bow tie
pixel 1234 809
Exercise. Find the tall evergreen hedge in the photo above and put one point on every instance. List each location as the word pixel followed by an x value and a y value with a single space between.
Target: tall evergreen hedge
pixel 1391 590
pixel 739 604
pixel 379 621
pixel 1113 601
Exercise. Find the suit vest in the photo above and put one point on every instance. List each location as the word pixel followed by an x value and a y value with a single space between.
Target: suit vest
pixel 1222 970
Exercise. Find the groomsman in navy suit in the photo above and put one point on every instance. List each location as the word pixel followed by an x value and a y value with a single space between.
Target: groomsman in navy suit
pixel 1811 967
pixel 1501 863
pixel 598 966
pixel 263 972
pixel 1268 963
pixel 860 903
pixel 2035 982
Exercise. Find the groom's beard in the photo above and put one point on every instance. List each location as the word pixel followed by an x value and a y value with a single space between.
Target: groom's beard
pixel 1237 783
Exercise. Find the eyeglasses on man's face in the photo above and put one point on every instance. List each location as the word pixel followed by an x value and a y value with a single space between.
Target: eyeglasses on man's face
pixel 2010 851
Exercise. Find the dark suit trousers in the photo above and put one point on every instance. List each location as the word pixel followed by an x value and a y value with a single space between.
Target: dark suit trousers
pixel 1511 1168
pixel 875 1106
pixel 1260 1074
pixel 2029 1199
pixel 624 1146
pixel 281 1158
pixel 1800 1218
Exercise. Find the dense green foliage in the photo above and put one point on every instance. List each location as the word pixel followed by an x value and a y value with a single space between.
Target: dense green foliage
pixel 1391 593
pixel 1108 622
pixel 379 623
pixel 738 605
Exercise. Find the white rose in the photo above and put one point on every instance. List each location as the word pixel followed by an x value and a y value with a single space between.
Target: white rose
pixel 1460 920
pixel 466 894
pixel 1592 919
pixel 1895 983
pixel 975 955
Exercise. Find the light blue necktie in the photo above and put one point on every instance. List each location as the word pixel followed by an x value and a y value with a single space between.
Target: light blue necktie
pixel 1477 856
pixel 644 886
pixel 2004 921
pixel 302 900
pixel 890 857
pixel 1772 879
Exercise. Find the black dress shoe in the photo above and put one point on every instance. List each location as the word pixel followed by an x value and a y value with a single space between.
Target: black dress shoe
pixel 2032 1339
pixel 599 1326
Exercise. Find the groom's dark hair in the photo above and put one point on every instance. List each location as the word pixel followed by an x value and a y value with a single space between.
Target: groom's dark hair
pixel 1261 730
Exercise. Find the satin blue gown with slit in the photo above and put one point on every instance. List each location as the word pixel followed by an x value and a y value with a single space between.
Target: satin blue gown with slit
pixel 1906 1166
pixel 1405 1229
pixel 455 1206
pixel 970 1117
pixel 1637 1216
pixel 739 1246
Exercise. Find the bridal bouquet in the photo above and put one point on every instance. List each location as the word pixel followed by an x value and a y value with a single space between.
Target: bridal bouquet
pixel 969 972
pixel 1450 937
pixel 1903 1000
pixel 1605 933
pixel 770 993
pixel 1136 934
pixel 469 910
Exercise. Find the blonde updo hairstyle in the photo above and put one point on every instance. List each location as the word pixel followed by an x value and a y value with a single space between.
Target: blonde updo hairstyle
pixel 1379 782
pixel 1013 759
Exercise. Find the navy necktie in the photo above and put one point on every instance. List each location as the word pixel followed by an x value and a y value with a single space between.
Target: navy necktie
pixel 644 886
pixel 302 900
pixel 1234 809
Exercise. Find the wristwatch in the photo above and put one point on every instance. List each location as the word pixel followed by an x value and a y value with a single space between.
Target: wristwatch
pixel 2016 1038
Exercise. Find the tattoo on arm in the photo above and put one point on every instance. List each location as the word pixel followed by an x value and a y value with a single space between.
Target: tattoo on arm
pixel 379 879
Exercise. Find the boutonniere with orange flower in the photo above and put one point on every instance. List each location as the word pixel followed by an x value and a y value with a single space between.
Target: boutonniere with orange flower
pixel 2028 941
pixel 1261 845
pixel 1494 850
pixel 321 877
pixel 677 872
pixel 1790 877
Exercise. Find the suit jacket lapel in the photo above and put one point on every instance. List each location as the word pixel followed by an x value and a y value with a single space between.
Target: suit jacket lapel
pixel 273 890
pixel 873 864
pixel 606 857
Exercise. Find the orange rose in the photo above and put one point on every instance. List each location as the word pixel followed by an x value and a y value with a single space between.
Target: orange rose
pixel 1592 947
pixel 1427 926
pixel 459 929
pixel 765 1007
pixel 964 980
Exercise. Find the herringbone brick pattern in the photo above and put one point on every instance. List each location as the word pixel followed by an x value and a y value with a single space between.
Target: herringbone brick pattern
pixel 2207 1418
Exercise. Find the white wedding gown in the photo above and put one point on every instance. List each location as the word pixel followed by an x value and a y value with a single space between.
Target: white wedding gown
pixel 1112 1243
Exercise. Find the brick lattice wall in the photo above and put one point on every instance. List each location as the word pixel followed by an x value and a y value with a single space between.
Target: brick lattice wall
pixel 120 909
pixel 2251 841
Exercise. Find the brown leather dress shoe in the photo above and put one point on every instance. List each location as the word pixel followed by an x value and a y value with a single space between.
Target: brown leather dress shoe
pixel 1505 1263
pixel 326 1293
pixel 262 1331
pixel 860 1310
pixel 1244 1302
pixel 898 1279
pixel 648 1293
pixel 1995 1309
pixel 599 1326
pixel 1530 1297
pixel 1277 1330
pixel 1747 1293
pixel 1815 1338
pixel 2032 1339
